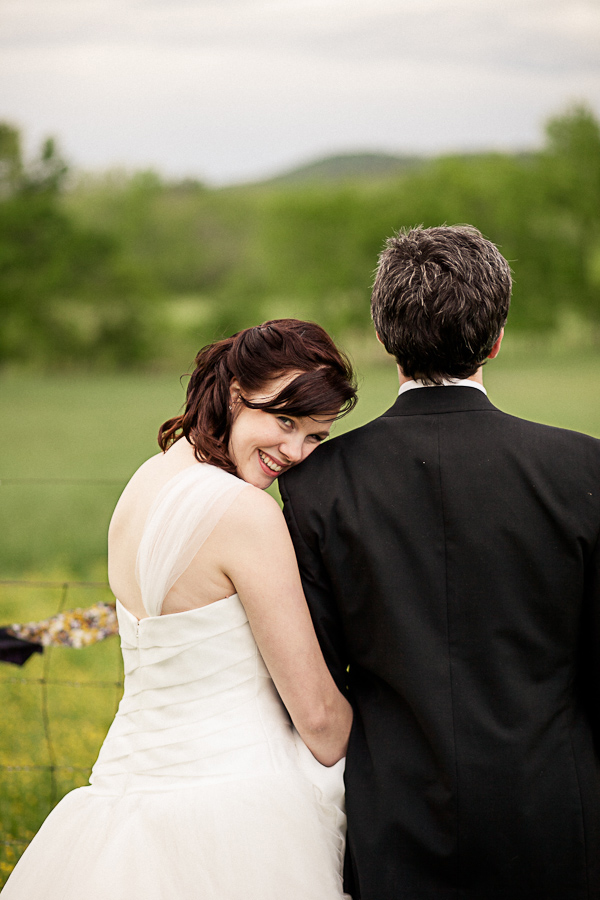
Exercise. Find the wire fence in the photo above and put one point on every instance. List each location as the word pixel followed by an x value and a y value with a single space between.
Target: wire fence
pixel 94 481
pixel 54 721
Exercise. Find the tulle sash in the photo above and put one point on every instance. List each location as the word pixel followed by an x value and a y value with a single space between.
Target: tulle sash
pixel 182 517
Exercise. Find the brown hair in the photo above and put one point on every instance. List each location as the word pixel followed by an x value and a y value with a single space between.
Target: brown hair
pixel 440 300
pixel 255 357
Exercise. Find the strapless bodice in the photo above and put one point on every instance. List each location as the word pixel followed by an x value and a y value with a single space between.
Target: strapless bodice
pixel 198 704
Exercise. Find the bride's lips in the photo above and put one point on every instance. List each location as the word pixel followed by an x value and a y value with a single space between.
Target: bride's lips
pixel 270 465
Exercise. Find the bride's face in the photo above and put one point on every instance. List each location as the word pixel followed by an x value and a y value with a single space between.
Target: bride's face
pixel 263 444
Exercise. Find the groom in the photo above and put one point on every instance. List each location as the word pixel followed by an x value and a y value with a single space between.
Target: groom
pixel 450 555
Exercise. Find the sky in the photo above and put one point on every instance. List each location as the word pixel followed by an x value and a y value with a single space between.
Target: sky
pixel 237 90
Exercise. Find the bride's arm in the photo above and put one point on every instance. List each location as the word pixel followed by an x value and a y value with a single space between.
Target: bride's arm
pixel 255 551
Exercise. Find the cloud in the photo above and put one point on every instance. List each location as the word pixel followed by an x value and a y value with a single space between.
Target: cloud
pixel 431 27
pixel 234 88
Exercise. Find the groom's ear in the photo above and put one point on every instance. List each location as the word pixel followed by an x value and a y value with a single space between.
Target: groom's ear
pixel 496 348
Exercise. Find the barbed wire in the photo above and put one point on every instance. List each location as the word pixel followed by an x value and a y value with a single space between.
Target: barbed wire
pixel 65 683
pixel 55 584
pixel 19 481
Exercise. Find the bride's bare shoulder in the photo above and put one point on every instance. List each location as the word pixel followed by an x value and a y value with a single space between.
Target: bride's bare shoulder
pixel 137 492
pixel 253 509
pixel 143 477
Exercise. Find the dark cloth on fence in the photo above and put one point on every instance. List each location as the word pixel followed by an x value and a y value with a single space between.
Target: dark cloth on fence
pixel 14 650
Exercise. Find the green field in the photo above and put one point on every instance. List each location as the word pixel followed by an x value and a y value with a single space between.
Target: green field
pixel 68 446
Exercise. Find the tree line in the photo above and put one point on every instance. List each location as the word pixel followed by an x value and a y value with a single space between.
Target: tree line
pixel 122 269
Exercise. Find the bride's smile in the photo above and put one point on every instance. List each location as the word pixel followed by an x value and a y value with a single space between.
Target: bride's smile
pixel 271 463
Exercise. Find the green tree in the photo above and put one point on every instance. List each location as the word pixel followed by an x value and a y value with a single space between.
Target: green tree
pixel 10 159
pixel 63 296
pixel 571 176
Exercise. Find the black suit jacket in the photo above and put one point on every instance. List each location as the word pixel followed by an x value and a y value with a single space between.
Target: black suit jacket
pixel 450 557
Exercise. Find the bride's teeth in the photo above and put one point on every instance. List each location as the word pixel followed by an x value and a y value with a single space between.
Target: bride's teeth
pixel 269 463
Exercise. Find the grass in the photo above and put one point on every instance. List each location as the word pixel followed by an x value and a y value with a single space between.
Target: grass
pixel 72 427
pixel 101 428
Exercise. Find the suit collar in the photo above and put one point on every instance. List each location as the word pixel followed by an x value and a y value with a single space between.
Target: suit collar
pixel 432 400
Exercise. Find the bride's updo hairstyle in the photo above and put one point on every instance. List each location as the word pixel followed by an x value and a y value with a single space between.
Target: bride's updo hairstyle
pixel 255 357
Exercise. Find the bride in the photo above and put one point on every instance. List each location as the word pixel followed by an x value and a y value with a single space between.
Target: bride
pixel 203 787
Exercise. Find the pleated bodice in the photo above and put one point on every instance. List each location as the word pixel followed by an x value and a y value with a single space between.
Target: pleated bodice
pixel 198 705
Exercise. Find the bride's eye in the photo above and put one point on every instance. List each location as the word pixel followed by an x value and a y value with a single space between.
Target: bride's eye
pixel 285 421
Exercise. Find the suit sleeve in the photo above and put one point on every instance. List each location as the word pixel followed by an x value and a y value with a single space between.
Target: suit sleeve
pixel 319 594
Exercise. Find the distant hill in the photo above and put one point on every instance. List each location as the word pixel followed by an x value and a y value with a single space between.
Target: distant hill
pixel 348 166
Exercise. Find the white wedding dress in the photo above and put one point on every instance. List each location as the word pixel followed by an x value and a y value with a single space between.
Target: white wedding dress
pixel 202 790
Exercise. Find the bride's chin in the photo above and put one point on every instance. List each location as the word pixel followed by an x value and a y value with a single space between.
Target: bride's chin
pixel 260 481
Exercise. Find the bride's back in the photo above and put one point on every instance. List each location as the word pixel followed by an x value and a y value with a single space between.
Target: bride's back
pixel 202 582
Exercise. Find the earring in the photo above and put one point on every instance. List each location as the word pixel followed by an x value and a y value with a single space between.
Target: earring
pixel 230 407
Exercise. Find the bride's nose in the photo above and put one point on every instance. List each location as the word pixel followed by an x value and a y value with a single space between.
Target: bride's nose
pixel 291 448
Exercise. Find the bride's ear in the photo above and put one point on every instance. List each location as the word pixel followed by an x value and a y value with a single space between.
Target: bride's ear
pixel 234 392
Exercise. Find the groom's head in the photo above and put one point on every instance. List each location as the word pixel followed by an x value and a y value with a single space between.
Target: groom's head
pixel 440 300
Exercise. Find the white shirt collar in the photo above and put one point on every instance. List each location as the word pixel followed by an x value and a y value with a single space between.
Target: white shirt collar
pixel 460 382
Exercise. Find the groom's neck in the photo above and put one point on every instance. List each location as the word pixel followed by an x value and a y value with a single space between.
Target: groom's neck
pixel 477 377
